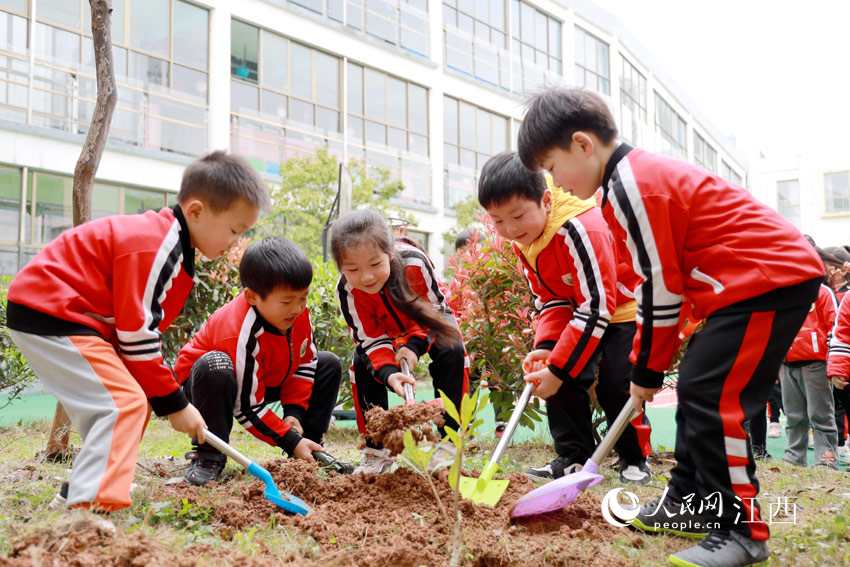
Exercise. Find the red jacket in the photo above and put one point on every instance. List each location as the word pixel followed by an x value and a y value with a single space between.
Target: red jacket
pixel 838 363
pixel 124 278
pixel 376 324
pixel 572 272
pixel 268 365
pixel 812 341
pixel 691 235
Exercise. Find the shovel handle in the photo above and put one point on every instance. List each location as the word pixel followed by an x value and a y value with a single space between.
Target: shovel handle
pixel 614 433
pixel 227 449
pixel 510 428
pixel 409 397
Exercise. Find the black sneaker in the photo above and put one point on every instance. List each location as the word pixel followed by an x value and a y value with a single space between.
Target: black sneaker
pixel 672 518
pixel 635 473
pixel 556 468
pixel 60 500
pixel 207 466
pixel 500 428
pixel 722 549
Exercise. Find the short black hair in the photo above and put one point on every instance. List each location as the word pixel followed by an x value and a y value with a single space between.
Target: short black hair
pixel 275 262
pixel 463 238
pixel 554 115
pixel 220 179
pixel 504 177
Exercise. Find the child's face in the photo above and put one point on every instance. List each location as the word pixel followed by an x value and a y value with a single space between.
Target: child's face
pixel 281 306
pixel 366 267
pixel 213 234
pixel 572 170
pixel 521 220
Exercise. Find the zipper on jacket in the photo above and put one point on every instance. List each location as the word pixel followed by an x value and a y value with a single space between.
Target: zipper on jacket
pixel 391 311
pixel 289 342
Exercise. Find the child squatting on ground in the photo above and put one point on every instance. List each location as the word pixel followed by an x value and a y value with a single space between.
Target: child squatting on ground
pixel 749 273
pixel 256 350
pixel 89 310
pixel 586 311
pixel 396 308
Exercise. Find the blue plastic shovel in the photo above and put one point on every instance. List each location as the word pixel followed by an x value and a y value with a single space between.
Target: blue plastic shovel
pixel 561 492
pixel 288 502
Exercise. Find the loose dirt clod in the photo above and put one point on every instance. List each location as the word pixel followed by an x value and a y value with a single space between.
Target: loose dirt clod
pixel 387 427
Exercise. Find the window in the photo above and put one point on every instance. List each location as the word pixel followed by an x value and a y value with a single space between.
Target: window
pixel 536 36
pixel 788 200
pixel 671 129
pixel 729 174
pixel 419 236
pixel 10 204
pixel 244 51
pixel 592 70
pixel 705 155
pixel 837 192
pixel 482 19
pixel 632 102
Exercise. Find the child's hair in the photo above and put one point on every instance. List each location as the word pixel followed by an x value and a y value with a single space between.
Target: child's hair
pixel 275 262
pixel 220 179
pixel 463 238
pixel 554 115
pixel 365 226
pixel 504 177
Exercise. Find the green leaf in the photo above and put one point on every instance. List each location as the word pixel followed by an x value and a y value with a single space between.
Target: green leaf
pixel 449 406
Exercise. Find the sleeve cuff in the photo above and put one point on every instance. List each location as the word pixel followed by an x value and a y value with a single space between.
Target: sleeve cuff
pixel 547 345
pixel 560 373
pixel 294 410
pixel 289 441
pixel 647 378
pixel 417 345
pixel 384 373
pixel 170 403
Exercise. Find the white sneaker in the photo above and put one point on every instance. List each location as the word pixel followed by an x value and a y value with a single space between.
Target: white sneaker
pixel 375 461
pixel 442 458
pixel 774 430
pixel 844 454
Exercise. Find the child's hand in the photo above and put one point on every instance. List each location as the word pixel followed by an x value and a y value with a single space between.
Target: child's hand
pixel 640 395
pixel 189 420
pixel 294 424
pixel 408 355
pixel 304 450
pixel 548 383
pixel 536 360
pixel 397 380
pixel 839 382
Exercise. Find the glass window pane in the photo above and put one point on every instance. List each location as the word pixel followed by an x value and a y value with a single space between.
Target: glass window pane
pixel 500 134
pixel 467 158
pixel 397 102
pixel 419 144
pixel 355 129
pixel 355 89
pixel 190 81
pixel 275 58
pixel 60 11
pixel 397 139
pixel 243 97
pixel 149 24
pixel 139 201
pixel 53 208
pixel 119 60
pixel 149 70
pixel 244 50
pixel 301 63
pixel 484 133
pixel 467 125
pixel 579 46
pixel 327 119
pixel 541 26
pixel 417 109
pixel 327 79
pixel 450 120
pixel 13 32
pixel 527 22
pixel 376 132
pixel 54 44
pixel 555 37
pixel 274 104
pixel 376 98
pixel 190 35
pixel 450 155
pixel 10 204
pixel 104 200
pixel 301 111
pixel 497 14
pixel 16 5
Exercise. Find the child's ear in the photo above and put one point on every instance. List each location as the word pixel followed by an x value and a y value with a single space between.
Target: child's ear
pixel 546 201
pixel 584 143
pixel 251 296
pixel 193 209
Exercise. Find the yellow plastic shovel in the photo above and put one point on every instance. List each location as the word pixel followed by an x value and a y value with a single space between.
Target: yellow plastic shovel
pixel 485 490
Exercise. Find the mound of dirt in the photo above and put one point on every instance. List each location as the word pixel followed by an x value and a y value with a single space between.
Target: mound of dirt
pixel 387 427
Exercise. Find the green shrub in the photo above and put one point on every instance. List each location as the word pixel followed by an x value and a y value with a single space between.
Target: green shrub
pixel 329 329
pixel 15 374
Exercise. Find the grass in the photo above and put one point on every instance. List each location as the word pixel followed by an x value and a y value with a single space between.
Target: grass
pixel 814 530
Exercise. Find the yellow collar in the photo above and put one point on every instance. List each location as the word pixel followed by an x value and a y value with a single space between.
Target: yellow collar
pixel 564 207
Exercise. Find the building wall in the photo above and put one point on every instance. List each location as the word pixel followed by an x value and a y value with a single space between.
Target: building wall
pixel 453 74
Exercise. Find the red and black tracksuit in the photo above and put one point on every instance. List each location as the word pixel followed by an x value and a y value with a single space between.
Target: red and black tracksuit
pixel 238 363
pixel 746 271
pixel 88 313
pixel 586 318
pixel 378 328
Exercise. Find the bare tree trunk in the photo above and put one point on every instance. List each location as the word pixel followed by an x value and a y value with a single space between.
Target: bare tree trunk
pixel 107 97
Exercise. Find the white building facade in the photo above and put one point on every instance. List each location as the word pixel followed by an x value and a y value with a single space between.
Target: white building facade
pixel 427 88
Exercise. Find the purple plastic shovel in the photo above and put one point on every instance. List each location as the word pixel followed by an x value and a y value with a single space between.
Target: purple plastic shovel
pixel 561 492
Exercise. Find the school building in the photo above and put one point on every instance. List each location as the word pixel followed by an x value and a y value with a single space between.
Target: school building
pixel 427 88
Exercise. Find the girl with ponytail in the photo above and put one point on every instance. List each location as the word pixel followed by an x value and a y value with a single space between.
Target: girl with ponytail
pixel 395 308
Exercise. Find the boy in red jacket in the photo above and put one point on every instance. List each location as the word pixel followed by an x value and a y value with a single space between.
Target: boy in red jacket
pixel 806 390
pixel 746 270
pixel 586 311
pixel 88 312
pixel 256 350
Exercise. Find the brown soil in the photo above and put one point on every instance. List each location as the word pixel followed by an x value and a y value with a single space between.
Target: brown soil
pixel 387 427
